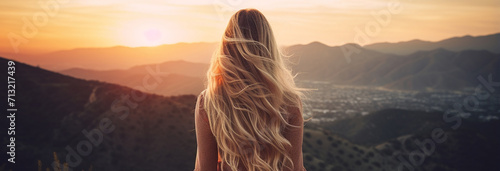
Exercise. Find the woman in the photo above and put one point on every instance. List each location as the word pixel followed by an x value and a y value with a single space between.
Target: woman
pixel 249 117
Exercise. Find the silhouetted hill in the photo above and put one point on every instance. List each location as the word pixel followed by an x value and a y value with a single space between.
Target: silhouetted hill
pixel 150 132
pixel 436 69
pixel 391 134
pixel 168 78
pixel 488 42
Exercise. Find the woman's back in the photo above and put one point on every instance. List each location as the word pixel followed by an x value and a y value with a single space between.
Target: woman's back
pixel 250 112
pixel 292 134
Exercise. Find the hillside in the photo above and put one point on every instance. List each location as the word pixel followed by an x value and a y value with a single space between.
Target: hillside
pixel 392 133
pixel 150 132
pixel 324 151
pixel 488 42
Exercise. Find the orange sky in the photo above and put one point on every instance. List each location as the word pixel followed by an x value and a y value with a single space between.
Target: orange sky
pixel 68 24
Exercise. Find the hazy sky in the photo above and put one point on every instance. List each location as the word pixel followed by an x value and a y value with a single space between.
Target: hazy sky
pixel 67 24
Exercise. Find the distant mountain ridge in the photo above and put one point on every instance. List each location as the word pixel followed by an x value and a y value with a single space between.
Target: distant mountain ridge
pixel 168 78
pixel 110 57
pixel 118 57
pixel 436 69
pixel 448 64
pixel 488 42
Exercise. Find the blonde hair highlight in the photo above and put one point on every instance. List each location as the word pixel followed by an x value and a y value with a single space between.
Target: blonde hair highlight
pixel 249 91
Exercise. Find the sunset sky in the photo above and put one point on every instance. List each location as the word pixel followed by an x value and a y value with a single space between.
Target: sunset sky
pixel 68 24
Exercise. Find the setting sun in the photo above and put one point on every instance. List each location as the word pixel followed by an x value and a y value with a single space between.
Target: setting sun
pixel 145 32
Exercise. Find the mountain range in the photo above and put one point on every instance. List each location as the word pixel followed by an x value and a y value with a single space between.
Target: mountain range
pixel 436 69
pixel 456 44
pixel 121 57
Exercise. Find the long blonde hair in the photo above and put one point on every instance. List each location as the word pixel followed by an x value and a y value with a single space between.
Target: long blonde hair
pixel 249 91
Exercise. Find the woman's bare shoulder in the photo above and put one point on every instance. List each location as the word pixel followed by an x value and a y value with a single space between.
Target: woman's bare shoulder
pixel 199 109
pixel 199 100
pixel 294 114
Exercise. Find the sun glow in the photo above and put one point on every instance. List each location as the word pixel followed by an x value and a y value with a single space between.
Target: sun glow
pixel 145 32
